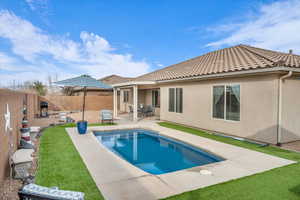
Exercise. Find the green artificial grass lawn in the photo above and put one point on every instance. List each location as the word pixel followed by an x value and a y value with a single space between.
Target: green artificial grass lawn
pixel 277 184
pixel 60 164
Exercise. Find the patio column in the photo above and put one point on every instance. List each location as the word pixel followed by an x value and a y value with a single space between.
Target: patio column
pixel 115 103
pixel 135 103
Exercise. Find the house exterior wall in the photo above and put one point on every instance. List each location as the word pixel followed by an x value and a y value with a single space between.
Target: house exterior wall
pixel 142 97
pixel 148 98
pixel 258 109
pixel 291 110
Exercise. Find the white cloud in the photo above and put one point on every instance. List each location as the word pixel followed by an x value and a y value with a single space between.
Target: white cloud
pixel 29 41
pixel 158 64
pixel 37 4
pixel 47 53
pixel 7 63
pixel 273 26
pixel 13 70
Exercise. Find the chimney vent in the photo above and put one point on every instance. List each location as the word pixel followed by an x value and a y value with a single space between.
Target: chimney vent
pixel 291 51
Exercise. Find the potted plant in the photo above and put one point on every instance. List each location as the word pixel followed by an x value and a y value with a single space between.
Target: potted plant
pixel 82 126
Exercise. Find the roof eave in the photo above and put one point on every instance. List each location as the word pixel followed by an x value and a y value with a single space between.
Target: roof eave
pixel 228 74
pixel 131 83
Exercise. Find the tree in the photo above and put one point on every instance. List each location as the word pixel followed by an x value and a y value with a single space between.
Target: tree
pixel 40 88
pixel 68 91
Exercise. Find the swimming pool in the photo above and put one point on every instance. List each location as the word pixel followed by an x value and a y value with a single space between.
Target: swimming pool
pixel 154 153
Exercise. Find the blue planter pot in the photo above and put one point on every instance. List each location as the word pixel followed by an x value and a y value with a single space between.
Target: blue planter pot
pixel 82 127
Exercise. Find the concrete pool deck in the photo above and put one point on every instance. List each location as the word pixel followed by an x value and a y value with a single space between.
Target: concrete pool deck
pixel 119 180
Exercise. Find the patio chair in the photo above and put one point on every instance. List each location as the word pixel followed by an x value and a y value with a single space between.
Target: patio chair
pixel 37 192
pixel 130 109
pixel 106 115
pixel 140 110
pixel 63 117
pixel 148 111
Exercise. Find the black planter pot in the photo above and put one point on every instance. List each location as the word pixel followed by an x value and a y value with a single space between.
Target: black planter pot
pixel 82 127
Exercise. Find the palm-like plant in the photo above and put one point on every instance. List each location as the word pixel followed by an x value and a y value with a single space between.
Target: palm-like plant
pixel 68 91
pixel 40 88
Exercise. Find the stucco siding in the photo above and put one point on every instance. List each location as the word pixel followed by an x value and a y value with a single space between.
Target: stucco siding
pixel 141 97
pixel 258 115
pixel 148 98
pixel 291 110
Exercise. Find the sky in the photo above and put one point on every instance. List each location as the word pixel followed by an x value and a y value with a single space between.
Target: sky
pixel 62 39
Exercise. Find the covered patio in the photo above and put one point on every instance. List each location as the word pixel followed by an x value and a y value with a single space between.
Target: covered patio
pixel 136 100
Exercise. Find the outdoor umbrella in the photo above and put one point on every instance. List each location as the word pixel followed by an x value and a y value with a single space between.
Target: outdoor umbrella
pixel 83 81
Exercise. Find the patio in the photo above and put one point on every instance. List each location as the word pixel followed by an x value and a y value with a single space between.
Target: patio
pixel 139 100
pixel 122 118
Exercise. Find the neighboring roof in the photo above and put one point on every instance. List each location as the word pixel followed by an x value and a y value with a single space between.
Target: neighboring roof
pixel 114 79
pixel 232 59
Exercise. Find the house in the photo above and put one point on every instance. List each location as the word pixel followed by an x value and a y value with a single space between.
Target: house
pixel 109 80
pixel 242 91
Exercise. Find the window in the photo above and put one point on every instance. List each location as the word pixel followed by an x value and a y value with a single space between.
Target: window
pixel 226 102
pixel 156 98
pixel 233 102
pixel 218 102
pixel 171 99
pixel 175 100
pixel 125 96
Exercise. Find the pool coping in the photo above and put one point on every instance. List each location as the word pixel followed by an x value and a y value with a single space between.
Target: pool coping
pixel 195 148
pixel 118 179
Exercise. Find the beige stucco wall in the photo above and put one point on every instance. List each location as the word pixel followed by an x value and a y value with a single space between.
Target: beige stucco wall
pixel 291 110
pixel 258 107
pixel 142 96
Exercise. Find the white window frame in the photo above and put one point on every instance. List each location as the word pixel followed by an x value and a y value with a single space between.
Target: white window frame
pixel 212 100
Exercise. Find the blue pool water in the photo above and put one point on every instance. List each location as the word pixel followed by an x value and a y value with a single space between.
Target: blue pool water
pixel 152 152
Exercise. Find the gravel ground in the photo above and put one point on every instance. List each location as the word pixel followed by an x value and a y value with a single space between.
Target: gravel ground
pixel 9 189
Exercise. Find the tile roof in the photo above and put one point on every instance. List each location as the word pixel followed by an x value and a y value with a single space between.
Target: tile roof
pixel 236 58
pixel 114 79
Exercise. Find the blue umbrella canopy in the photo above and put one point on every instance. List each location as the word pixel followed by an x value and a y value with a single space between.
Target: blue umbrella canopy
pixel 83 81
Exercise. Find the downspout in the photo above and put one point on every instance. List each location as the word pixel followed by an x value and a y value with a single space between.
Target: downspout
pixel 279 117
